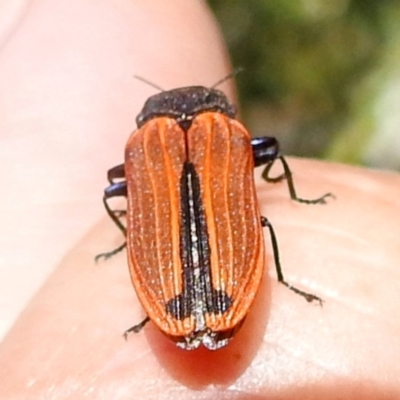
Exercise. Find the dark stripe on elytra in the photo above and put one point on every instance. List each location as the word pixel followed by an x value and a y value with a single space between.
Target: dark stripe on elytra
pixel 195 289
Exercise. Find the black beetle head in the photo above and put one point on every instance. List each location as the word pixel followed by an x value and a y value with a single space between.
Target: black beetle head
pixel 183 104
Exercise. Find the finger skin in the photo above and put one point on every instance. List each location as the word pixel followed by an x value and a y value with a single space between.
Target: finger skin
pixel 68 118
pixel 68 103
pixel 68 342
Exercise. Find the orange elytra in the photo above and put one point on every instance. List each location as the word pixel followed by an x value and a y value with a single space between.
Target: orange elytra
pixel 194 232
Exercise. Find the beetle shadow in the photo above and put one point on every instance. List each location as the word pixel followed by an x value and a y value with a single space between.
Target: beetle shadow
pixel 201 367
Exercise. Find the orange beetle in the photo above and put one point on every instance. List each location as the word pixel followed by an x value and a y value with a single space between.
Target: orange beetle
pixel 193 226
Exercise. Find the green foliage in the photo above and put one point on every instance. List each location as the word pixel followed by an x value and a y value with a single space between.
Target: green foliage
pixel 303 63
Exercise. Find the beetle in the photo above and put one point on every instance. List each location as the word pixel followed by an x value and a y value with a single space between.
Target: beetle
pixel 194 232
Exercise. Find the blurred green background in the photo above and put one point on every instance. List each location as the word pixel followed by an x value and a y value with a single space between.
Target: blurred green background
pixel 321 75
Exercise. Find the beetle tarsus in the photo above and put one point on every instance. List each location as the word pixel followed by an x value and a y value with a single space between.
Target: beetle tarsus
pixel 136 328
pixel 287 174
pixel 308 296
pixel 319 200
pixel 110 254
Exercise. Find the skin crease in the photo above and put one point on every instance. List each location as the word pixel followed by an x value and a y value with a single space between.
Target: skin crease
pixel 68 103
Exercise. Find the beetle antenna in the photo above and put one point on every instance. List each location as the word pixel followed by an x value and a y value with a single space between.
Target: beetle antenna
pixel 149 83
pixel 230 76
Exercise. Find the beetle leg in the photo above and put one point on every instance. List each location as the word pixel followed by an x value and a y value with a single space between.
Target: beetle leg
pixel 289 178
pixel 308 296
pixel 136 328
pixel 115 173
pixel 114 190
pixel 111 253
pixel 266 152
